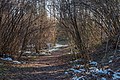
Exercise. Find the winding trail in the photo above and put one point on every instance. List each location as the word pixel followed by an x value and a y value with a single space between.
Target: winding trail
pixel 42 68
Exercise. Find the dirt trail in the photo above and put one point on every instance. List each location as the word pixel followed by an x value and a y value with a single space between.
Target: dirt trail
pixel 42 68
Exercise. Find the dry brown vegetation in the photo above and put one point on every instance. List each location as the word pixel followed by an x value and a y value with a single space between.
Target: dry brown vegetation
pixel 91 28
pixel 91 23
pixel 24 23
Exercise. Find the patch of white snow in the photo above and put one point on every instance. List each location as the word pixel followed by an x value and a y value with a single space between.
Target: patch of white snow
pixel 7 59
pixel 116 76
pixel 16 62
pixel 59 46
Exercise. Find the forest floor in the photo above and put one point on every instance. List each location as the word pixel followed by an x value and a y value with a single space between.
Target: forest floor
pixel 38 68
pixel 61 66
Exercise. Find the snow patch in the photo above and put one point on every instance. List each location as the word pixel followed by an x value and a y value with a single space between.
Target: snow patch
pixel 29 52
pixel 75 71
pixel 44 53
pixel 16 62
pixel 78 78
pixel 7 59
pixel 103 78
pixel 55 49
pixel 110 61
pixel 80 72
pixel 59 46
pixel 116 75
pixel 93 63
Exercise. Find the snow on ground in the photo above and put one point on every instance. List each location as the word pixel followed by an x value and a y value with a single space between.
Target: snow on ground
pixel 80 72
pixel 27 52
pixel 59 46
pixel 46 51
pixel 78 78
pixel 116 75
pixel 11 60
pixel 54 49
pixel 16 62
pixel 7 59
pixel 44 54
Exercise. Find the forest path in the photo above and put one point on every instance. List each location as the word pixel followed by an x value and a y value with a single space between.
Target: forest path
pixel 41 68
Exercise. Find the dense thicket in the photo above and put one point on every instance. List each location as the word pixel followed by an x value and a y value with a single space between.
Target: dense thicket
pixel 87 23
pixel 23 23
pixel 90 23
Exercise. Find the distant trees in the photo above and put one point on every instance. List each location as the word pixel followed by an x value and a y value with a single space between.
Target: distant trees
pixel 75 19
